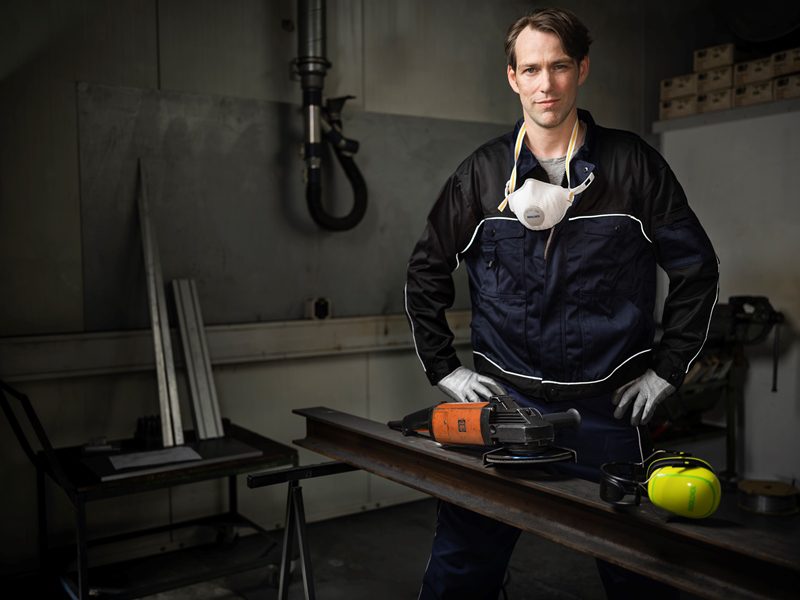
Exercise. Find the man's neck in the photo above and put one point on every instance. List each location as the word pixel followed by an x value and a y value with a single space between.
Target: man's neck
pixel 551 142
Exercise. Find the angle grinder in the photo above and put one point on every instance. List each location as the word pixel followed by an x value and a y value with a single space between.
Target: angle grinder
pixel 513 434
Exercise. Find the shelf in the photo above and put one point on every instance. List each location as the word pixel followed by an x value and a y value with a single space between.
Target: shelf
pixel 169 570
pixel 732 114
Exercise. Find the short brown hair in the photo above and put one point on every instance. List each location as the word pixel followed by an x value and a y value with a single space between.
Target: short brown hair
pixel 564 24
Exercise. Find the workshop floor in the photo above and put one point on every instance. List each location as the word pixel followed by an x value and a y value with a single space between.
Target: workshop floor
pixel 383 553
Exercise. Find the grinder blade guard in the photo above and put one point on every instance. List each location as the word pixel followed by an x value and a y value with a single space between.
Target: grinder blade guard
pixel 515 435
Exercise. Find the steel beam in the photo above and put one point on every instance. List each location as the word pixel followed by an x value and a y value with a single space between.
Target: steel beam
pixel 719 557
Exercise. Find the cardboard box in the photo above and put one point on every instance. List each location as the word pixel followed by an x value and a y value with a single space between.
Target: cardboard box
pixel 676 87
pixel 715 56
pixel 752 71
pixel 786 62
pixel 715 100
pixel 715 79
pixel 786 87
pixel 678 107
pixel 754 93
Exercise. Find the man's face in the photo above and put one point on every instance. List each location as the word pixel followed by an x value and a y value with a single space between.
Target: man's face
pixel 546 78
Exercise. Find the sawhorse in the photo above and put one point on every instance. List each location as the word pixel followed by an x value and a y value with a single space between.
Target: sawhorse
pixel 296 517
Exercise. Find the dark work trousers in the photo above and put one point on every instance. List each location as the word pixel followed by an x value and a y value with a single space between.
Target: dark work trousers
pixel 471 552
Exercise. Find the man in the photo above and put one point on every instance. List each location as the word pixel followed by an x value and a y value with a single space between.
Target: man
pixel 560 225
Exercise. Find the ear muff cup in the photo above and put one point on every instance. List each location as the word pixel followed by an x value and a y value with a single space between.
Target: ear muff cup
pixel 679 483
pixel 688 488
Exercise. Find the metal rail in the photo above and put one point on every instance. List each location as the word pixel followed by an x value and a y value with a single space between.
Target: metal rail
pixel 716 558
pixel 171 428
pixel 205 405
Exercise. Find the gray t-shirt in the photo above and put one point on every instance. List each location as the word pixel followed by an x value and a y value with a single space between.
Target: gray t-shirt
pixel 554 167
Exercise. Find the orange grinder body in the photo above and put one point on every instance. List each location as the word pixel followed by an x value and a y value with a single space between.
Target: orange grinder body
pixel 459 423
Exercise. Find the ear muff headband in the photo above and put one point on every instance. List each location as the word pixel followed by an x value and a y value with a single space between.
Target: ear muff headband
pixel 686 461
pixel 620 480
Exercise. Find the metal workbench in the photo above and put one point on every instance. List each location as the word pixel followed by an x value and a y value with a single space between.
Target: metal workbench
pixel 82 488
pixel 731 555
pixel 67 468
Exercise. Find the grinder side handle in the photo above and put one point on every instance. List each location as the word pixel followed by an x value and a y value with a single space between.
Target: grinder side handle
pixel 570 418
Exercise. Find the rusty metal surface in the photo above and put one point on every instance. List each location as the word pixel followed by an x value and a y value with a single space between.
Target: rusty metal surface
pixel 730 556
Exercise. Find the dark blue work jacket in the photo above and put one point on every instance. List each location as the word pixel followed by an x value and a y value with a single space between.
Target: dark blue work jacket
pixel 566 312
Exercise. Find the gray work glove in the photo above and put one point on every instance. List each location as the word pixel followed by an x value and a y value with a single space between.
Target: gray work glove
pixel 465 385
pixel 646 393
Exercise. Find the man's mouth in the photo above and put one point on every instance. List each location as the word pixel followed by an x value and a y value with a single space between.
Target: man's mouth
pixel 547 103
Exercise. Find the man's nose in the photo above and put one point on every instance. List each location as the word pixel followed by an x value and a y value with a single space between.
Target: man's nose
pixel 546 81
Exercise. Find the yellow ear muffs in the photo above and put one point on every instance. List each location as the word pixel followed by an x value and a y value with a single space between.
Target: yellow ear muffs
pixel 676 481
pixel 687 487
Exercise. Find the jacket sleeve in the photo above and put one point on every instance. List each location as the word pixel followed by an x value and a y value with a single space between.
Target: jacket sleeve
pixel 685 253
pixel 429 289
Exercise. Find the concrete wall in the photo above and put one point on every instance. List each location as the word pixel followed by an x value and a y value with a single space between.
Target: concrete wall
pixel 437 66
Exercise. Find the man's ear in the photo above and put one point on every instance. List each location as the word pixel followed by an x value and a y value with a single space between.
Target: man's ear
pixel 583 69
pixel 512 78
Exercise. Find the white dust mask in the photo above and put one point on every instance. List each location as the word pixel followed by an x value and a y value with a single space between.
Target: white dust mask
pixel 539 205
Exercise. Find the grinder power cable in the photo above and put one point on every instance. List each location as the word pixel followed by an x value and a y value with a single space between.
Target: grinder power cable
pixel 515 435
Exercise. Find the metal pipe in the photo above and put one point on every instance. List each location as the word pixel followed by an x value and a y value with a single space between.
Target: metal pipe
pixel 323 123
pixel 311 38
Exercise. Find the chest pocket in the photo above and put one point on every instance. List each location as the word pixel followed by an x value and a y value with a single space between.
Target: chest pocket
pixel 609 251
pixel 502 256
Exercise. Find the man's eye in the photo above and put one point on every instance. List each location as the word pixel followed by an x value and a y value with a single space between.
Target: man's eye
pixel 531 70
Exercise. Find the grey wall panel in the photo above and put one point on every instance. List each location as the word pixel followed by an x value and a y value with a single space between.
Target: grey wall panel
pixel 27 27
pixel 736 177
pixel 40 243
pixel 228 205
pixel 245 48
pixel 40 251
pixel 442 59
pixel 446 59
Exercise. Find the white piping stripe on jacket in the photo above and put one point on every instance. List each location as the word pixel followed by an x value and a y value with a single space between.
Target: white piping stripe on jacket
pixel 563 382
pixel 708 326
pixel 641 225
pixel 475 234
pixel 411 321
pixel 472 240
pixel 478 226
pixel 458 264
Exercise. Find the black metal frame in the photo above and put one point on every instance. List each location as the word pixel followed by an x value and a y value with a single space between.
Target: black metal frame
pixel 50 462
pixel 296 518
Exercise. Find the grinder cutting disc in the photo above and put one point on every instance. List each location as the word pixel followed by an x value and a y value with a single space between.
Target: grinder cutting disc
pixel 549 454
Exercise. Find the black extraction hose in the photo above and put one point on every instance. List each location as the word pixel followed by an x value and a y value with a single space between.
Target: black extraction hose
pixel 320 123
pixel 314 196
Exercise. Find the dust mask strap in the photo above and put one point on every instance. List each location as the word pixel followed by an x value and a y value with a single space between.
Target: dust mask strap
pixel 511 184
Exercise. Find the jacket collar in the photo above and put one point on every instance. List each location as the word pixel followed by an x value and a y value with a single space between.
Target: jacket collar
pixel 580 164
